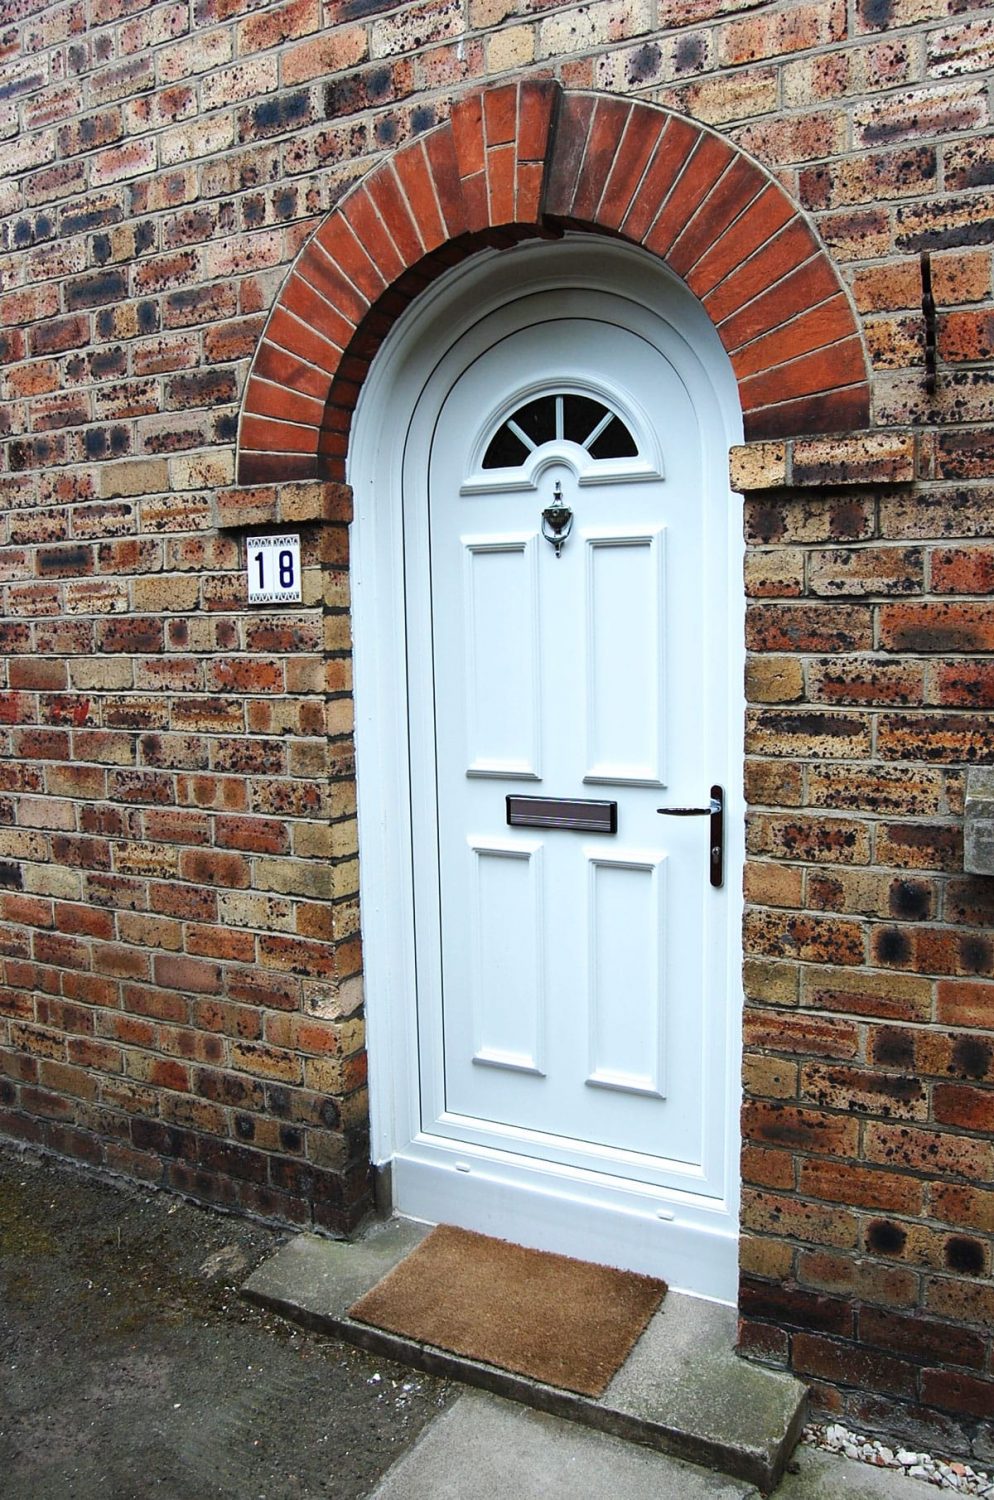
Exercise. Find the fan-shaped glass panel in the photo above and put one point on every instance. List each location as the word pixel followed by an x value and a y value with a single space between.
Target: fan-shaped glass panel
pixel 546 419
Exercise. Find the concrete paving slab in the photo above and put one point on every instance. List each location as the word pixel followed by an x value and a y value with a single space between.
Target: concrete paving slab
pixel 485 1448
pixel 682 1391
pixel 490 1449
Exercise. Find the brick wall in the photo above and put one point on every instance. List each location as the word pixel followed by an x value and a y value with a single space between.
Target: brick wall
pixel 869 1053
pixel 181 990
pixel 178 920
pixel 868 1047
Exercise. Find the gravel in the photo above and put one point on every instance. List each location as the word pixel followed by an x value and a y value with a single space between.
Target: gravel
pixel 945 1476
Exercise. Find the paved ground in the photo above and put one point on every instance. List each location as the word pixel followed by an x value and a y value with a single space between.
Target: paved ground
pixel 130 1369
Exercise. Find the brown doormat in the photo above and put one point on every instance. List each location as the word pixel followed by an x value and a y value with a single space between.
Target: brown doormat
pixel 562 1321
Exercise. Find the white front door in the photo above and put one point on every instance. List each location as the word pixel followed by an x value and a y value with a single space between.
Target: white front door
pixel 574 1008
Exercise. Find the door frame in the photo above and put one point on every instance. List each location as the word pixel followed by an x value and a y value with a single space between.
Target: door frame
pixel 402 370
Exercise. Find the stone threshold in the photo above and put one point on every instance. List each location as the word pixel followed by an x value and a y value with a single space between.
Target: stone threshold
pixel 682 1390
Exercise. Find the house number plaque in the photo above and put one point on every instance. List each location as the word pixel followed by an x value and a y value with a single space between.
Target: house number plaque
pixel 274 570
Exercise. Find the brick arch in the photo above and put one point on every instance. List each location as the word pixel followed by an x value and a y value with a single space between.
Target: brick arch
pixel 526 159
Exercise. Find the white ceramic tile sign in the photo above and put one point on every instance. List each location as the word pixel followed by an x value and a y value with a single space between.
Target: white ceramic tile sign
pixel 274 570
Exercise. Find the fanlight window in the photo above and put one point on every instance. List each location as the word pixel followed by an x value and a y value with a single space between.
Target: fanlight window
pixel 553 418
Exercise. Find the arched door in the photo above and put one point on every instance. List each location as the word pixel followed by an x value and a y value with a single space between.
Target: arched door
pixel 568 664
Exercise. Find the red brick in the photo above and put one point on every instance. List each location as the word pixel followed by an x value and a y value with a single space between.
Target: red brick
pixel 500 106
pixel 640 138
pixel 936 627
pixel 444 165
pixel 808 627
pixel 330 299
pixel 951 1391
pixel 710 158
pixel 385 191
pixel 572 128
pixel 861 1186
pixel 373 235
pixel 843 1363
pixel 414 175
pixel 962 1003
pixel 306 342
pixel 209 868
pixel 538 98
pixel 340 243
pixel 821 370
pixel 967 1108
pixel 501 177
pixel 792 247
pixel 673 150
pixel 278 437
pixel 914 1148
pixel 739 186
pixel 606 130
pixel 310 296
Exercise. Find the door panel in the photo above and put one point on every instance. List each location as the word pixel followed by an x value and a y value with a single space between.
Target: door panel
pixel 502 677
pixel 626 979
pixel 507 980
pixel 625 655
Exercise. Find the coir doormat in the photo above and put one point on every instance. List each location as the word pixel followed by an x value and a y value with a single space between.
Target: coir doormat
pixel 562 1321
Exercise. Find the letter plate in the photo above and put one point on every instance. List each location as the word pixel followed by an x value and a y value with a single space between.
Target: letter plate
pixel 579 813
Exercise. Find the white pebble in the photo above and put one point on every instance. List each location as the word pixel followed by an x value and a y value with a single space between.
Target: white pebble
pixel 955 1475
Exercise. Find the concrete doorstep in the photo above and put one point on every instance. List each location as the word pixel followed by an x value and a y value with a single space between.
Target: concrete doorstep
pixel 682 1391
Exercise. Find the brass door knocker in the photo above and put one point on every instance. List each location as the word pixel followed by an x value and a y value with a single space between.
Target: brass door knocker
pixel 557 521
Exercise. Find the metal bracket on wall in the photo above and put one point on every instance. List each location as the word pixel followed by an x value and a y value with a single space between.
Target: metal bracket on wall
pixel 928 312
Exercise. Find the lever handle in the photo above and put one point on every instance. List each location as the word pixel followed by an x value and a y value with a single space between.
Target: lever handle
pixel 690 812
pixel 716 811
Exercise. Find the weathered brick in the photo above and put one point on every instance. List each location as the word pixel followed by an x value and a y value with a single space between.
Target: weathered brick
pixel 809 1223
pixel 843 1363
pixel 935 1152
pixel 806 627
pixel 869 570
pixel 807 733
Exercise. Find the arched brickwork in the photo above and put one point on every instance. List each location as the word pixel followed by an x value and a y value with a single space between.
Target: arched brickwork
pixel 525 159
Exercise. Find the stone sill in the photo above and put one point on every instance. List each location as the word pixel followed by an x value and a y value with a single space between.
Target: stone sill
pixel 289 504
pixel 825 462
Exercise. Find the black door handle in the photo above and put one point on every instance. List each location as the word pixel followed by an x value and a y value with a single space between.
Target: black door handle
pixel 716 812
